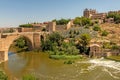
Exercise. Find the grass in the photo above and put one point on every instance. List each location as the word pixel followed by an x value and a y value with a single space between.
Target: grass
pixel 29 77
pixel 69 62
pixel 115 58
pixel 65 57
pixel 3 76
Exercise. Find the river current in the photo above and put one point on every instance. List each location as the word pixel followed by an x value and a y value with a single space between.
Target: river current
pixel 39 65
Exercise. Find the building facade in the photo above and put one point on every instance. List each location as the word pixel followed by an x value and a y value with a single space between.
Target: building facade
pixel 95 51
pixel 93 14
pixel 88 13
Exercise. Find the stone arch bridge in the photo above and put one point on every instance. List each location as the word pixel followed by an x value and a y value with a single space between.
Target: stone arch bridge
pixel 6 39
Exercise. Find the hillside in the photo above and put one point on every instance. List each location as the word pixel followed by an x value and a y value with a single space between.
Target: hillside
pixel 114 32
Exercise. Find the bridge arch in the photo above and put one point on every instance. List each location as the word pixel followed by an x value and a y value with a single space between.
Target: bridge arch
pixel 8 39
pixel 27 39
pixel 33 40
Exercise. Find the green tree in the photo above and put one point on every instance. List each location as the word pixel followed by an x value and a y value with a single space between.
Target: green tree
pixel 47 46
pixel 3 76
pixel 115 47
pixel 116 17
pixel 57 46
pixel 53 40
pixel 106 45
pixel 69 49
pixel 77 21
pixel 21 42
pixel 85 21
pixel 26 25
pixel 29 77
pixel 104 33
pixel 84 41
pixel 61 21
pixel 56 38
pixel 54 20
pixel 96 28
pixel 82 21
pixel 72 50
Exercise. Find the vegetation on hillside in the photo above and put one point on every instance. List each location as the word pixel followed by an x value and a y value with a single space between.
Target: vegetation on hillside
pixel 83 42
pixel 75 32
pixel 29 77
pixel 104 33
pixel 61 21
pixel 82 21
pixel 116 17
pixel 3 76
pixel 96 28
pixel 20 45
pixel 110 45
pixel 26 25
pixel 115 58
pixel 56 45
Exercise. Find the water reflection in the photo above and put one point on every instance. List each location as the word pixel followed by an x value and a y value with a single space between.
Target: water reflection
pixel 21 64
pixel 41 66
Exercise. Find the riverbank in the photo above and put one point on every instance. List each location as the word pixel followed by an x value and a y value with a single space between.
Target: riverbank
pixel 57 57
pixel 49 69
pixel 15 49
pixel 115 58
pixel 3 76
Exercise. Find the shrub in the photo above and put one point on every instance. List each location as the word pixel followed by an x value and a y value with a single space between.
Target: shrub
pixel 115 47
pixel 3 76
pixel 29 77
pixel 104 33
pixel 96 28
pixel 106 45
pixel 61 21
pixel 57 57
pixel 26 25
pixel 69 62
pixel 82 21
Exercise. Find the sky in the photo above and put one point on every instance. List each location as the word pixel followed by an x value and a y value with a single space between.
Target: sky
pixel 16 12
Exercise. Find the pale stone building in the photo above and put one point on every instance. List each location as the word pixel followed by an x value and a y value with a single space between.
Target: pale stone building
pixel 25 29
pixel 51 27
pixel 93 14
pixel 95 51
pixel 88 13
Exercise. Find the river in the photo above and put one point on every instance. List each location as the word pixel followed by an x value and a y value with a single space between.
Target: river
pixel 42 67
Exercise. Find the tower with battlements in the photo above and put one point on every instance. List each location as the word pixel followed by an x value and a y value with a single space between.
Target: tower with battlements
pixel 88 13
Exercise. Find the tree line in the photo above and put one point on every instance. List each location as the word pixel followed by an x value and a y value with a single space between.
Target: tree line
pixel 56 45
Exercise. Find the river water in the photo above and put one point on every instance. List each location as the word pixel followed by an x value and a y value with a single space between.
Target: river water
pixel 42 67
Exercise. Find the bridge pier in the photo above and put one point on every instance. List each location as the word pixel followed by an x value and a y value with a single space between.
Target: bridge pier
pixel 36 41
pixel 6 55
pixel 3 56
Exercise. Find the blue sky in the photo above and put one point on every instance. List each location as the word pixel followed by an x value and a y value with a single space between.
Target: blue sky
pixel 15 12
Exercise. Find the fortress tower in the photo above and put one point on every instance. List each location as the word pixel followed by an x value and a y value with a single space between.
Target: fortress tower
pixel 88 13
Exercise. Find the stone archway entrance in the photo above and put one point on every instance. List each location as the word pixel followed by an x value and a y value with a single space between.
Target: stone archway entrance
pixel 95 51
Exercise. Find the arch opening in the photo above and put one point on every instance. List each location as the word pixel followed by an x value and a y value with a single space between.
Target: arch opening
pixel 41 38
pixel 20 44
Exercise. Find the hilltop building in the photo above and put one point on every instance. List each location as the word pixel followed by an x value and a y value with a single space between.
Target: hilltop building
pixel 93 14
pixel 100 17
